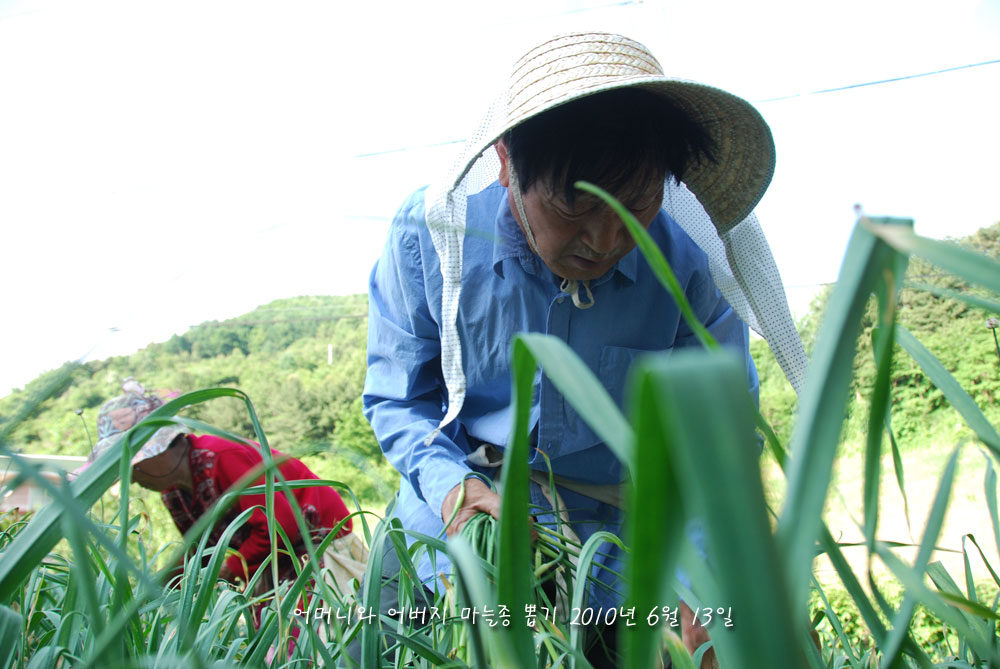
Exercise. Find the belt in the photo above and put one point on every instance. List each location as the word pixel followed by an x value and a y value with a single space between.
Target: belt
pixel 489 456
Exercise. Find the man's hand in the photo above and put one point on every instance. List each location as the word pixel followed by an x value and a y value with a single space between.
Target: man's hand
pixel 478 497
pixel 693 634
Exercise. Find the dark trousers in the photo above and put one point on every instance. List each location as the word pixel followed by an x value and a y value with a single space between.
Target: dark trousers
pixel 389 598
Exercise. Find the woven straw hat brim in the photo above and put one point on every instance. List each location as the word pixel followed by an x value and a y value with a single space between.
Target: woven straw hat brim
pixel 570 67
pixel 156 444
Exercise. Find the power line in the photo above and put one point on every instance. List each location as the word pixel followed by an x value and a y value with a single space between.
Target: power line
pixel 409 148
pixel 848 87
pixel 879 81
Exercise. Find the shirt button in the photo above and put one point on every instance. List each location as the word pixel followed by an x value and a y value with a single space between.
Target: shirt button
pixel 559 300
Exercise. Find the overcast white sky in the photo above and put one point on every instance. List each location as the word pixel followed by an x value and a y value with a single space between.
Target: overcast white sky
pixel 166 163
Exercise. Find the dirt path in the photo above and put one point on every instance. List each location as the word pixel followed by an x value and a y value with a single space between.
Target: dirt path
pixel 967 511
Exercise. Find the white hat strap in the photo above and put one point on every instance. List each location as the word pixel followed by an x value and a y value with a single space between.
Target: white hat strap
pixel 515 188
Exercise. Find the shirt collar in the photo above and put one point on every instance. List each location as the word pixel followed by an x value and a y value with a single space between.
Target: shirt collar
pixel 510 242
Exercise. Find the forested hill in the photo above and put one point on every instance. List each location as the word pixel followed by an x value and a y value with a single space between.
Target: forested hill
pixel 953 330
pixel 301 361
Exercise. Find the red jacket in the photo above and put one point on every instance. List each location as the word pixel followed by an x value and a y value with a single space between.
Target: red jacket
pixel 216 464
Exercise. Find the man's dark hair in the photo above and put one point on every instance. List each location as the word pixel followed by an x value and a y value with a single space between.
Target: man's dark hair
pixel 608 139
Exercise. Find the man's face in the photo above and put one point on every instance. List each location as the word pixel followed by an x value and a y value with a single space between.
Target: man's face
pixel 585 240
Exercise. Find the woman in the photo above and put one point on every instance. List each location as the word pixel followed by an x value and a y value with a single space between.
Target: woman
pixel 191 472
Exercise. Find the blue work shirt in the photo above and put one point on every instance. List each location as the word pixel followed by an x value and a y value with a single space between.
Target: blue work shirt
pixel 507 289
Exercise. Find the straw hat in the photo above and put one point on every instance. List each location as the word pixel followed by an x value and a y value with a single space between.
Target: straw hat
pixel 714 205
pixel 572 66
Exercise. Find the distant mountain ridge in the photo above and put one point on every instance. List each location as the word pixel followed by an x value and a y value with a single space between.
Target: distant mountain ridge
pixel 301 360
pixel 953 330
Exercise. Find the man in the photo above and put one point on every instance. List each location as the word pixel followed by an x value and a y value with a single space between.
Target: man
pixel 471 263
pixel 192 471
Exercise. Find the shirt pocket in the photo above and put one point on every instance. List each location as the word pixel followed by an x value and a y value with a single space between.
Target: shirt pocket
pixel 614 367
pixel 612 372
